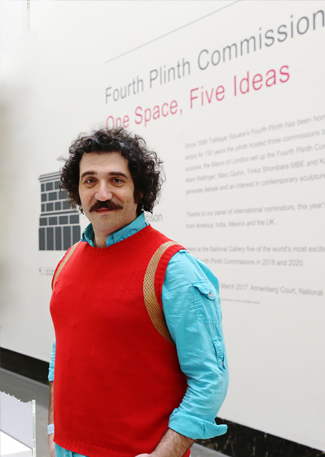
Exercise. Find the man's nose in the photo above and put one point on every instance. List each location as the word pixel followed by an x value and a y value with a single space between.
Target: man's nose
pixel 103 192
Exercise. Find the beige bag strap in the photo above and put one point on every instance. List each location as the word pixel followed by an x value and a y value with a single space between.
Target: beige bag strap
pixel 154 310
pixel 64 261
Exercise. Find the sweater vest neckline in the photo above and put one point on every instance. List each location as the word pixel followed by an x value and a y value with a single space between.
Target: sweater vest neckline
pixel 139 234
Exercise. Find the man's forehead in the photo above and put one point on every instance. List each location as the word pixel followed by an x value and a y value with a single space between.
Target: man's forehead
pixel 102 159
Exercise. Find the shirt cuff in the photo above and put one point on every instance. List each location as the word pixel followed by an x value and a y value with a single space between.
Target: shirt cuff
pixel 194 427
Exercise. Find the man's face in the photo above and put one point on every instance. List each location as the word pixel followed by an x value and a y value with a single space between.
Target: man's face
pixel 106 191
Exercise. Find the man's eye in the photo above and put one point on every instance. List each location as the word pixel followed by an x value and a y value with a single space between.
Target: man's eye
pixel 117 180
pixel 89 181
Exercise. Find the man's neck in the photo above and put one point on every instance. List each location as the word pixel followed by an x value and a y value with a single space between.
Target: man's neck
pixel 100 241
pixel 100 238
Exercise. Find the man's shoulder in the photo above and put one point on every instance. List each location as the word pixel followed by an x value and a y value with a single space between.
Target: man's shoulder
pixel 184 267
pixel 184 260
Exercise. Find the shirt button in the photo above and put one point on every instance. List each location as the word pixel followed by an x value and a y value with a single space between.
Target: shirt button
pixel 210 294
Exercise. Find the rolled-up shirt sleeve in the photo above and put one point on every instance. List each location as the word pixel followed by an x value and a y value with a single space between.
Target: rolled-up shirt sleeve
pixel 52 363
pixel 191 304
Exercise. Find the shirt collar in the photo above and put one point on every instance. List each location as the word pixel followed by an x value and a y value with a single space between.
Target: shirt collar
pixel 138 224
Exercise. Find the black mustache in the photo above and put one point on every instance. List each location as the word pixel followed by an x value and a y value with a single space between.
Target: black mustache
pixel 109 204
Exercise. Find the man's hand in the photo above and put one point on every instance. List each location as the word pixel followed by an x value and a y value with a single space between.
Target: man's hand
pixel 172 444
pixel 51 444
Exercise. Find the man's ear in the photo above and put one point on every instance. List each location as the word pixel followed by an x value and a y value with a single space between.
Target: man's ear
pixel 138 195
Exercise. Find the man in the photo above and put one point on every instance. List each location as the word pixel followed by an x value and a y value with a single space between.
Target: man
pixel 140 363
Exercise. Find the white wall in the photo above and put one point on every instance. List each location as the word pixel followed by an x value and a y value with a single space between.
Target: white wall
pixel 259 229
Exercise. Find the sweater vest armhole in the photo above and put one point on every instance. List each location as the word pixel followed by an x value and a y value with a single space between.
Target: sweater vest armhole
pixel 161 270
pixel 153 281
pixel 63 262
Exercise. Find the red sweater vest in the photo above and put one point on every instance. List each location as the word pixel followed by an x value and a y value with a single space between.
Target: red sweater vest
pixel 117 380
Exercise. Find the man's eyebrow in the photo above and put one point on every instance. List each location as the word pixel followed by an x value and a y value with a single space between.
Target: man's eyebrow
pixel 111 173
pixel 86 173
pixel 118 173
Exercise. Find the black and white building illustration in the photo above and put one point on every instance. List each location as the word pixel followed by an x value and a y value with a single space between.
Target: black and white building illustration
pixel 59 223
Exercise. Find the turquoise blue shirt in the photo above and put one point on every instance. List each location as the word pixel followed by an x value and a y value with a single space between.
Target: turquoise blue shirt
pixel 191 303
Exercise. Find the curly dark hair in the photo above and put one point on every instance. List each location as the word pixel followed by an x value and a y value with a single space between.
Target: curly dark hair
pixel 144 165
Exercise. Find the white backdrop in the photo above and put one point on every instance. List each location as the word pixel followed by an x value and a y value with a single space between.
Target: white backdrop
pixel 231 96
